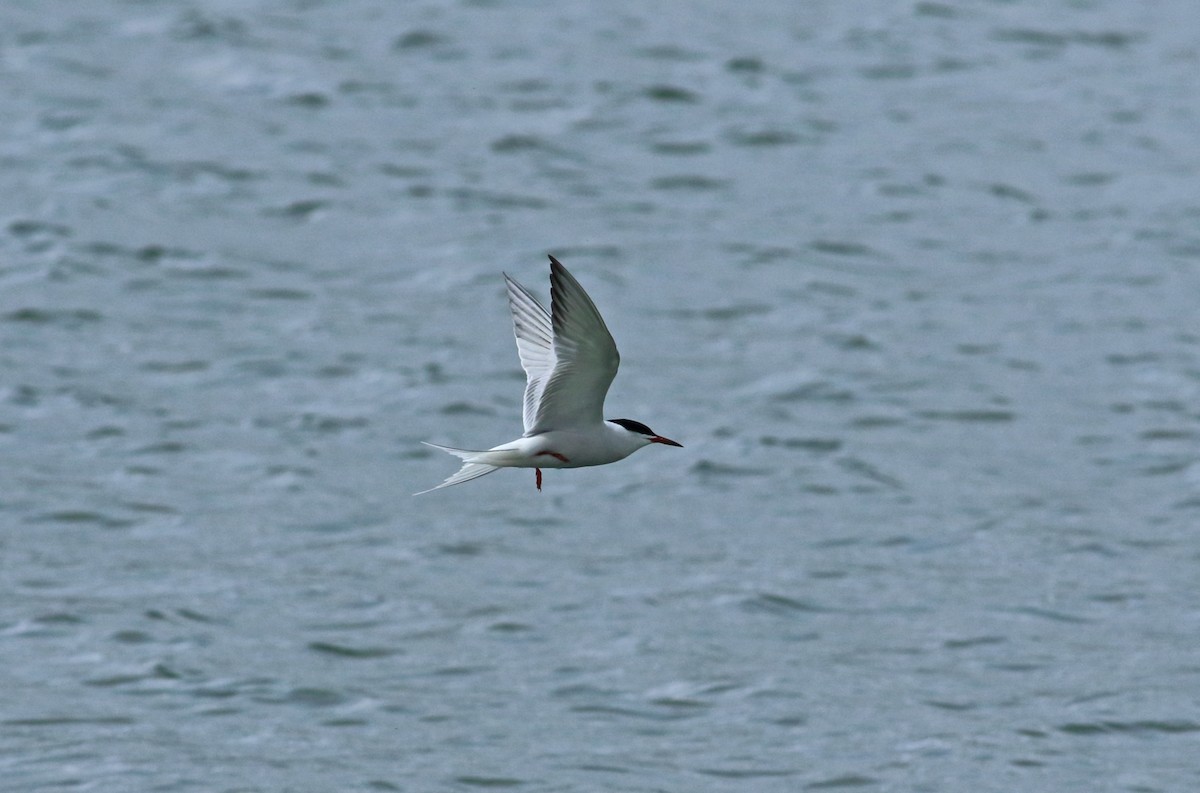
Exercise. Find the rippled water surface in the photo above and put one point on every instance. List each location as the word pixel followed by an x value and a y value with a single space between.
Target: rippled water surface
pixel 915 283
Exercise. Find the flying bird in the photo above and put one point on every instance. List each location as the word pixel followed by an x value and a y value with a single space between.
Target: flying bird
pixel 570 360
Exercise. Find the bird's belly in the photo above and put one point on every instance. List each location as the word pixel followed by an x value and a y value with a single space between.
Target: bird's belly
pixel 572 450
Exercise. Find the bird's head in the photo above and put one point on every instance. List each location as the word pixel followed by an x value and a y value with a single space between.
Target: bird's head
pixel 640 430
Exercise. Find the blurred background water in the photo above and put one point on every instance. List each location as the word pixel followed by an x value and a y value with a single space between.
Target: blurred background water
pixel 915 283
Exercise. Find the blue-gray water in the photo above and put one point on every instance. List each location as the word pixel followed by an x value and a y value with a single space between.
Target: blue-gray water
pixel 915 283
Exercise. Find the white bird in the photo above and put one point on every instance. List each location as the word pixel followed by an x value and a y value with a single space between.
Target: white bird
pixel 570 360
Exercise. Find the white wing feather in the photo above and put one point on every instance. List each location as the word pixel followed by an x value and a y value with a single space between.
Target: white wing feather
pixel 535 339
pixel 585 359
pixel 569 357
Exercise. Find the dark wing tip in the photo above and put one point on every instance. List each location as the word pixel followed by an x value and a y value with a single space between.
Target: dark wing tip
pixel 554 262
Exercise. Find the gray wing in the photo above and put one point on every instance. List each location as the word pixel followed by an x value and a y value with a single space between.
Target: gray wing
pixel 584 359
pixel 535 345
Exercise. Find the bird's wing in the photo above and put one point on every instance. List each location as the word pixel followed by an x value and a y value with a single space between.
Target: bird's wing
pixel 584 358
pixel 535 345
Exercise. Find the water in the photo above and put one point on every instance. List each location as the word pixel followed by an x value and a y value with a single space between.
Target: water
pixel 914 283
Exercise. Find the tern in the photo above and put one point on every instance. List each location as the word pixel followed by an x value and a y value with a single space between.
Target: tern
pixel 570 360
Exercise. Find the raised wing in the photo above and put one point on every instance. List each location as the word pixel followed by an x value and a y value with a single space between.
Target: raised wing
pixel 535 345
pixel 584 356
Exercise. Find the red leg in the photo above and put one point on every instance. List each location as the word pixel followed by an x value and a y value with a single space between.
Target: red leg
pixel 555 455
pixel 539 477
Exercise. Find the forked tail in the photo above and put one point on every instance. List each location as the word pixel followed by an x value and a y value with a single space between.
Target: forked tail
pixel 470 470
